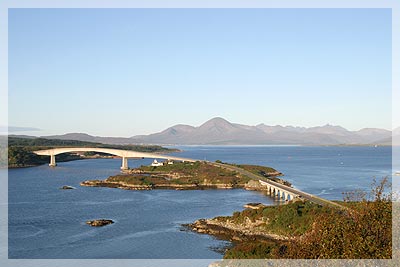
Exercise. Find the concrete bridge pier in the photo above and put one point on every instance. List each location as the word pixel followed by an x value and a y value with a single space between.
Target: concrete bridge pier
pixel 124 163
pixel 52 161
pixel 271 191
pixel 268 190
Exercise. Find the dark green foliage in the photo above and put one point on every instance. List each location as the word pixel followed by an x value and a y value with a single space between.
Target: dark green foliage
pixel 251 250
pixel 22 157
pixel 42 142
pixel 259 170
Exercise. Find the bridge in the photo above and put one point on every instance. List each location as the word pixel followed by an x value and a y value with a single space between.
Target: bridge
pixel 124 154
pixel 280 190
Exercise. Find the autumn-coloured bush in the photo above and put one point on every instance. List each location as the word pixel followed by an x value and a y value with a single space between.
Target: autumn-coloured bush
pixel 362 232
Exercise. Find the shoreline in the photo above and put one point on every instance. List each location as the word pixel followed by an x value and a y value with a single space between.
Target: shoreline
pixel 232 232
pixel 127 186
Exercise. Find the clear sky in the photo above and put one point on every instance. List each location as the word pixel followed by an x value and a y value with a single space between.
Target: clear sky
pixel 122 72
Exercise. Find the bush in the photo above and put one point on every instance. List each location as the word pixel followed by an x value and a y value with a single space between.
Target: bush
pixel 364 232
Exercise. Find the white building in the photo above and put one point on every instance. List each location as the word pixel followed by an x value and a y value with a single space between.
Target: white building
pixel 156 163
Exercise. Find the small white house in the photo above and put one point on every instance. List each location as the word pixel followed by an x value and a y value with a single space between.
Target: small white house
pixel 170 162
pixel 156 163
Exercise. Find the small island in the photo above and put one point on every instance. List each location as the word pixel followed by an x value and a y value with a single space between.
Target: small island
pixel 67 187
pixel 99 222
pixel 188 176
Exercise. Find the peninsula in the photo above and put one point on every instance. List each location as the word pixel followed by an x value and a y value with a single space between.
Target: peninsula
pixel 305 230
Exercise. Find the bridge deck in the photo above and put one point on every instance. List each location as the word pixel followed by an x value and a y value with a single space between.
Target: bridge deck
pixel 310 197
pixel 116 152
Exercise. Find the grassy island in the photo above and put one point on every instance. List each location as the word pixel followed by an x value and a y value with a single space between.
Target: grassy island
pixel 182 175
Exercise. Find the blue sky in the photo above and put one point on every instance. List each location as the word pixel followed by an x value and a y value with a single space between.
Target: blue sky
pixel 122 72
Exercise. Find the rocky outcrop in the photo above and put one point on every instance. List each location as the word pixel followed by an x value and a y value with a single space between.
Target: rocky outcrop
pixel 67 187
pixel 121 185
pixel 99 222
pixel 254 206
pixel 256 185
pixel 229 230
pixel 130 186
pixel 253 185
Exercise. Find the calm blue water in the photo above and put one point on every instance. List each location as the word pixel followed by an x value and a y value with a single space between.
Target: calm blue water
pixel 323 171
pixel 46 222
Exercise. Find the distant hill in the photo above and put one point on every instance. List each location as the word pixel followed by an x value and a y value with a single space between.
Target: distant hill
pixel 89 138
pixel 396 136
pixel 219 131
pixel 394 139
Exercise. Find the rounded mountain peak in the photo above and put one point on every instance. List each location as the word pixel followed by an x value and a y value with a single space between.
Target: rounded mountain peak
pixel 217 121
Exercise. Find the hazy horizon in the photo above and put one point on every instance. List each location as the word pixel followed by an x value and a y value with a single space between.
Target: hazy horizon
pixel 13 130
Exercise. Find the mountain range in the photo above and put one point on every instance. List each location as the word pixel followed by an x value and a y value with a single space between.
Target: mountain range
pixel 219 131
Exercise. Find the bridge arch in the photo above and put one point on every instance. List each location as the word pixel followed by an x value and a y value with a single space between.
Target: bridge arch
pixel 124 154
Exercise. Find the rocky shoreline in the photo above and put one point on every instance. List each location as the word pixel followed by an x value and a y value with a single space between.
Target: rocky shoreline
pixel 128 186
pixel 227 230
pixel 99 222
pixel 250 185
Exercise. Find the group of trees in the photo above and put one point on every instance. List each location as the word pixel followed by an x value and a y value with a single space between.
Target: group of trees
pixel 21 156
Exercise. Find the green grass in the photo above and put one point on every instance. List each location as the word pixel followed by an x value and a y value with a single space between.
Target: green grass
pixel 190 173
pixel 258 170
pixel 292 219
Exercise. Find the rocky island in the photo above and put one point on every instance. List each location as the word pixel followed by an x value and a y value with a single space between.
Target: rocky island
pixel 99 222
pixel 188 176
pixel 67 187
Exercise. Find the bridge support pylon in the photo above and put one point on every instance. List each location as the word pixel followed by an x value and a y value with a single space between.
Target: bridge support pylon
pixel 124 163
pixel 52 161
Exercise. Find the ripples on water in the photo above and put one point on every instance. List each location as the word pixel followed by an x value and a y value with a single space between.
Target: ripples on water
pixel 46 222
